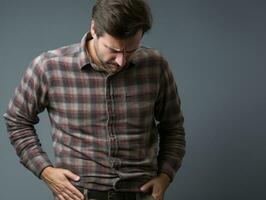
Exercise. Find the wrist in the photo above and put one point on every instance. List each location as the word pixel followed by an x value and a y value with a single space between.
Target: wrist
pixel 46 171
pixel 165 177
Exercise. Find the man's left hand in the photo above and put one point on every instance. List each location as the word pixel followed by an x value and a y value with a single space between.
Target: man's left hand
pixel 157 186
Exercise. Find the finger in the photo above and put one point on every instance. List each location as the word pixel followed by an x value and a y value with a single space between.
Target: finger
pixel 156 196
pixel 147 186
pixel 72 195
pixel 68 191
pixel 61 192
pixel 157 193
pixel 75 191
pixel 60 197
pixel 71 175
pixel 66 196
pixel 76 195
pixel 68 188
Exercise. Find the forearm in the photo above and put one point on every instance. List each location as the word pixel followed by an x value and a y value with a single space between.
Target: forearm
pixel 24 139
pixel 171 149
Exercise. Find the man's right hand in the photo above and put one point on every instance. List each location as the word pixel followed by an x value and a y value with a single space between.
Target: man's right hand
pixel 57 180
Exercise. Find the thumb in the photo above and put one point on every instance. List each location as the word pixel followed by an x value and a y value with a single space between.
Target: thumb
pixel 71 175
pixel 147 186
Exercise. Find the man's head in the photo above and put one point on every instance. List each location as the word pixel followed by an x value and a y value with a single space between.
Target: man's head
pixel 121 18
pixel 117 28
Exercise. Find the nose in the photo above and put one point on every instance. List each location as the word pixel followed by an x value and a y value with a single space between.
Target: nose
pixel 120 59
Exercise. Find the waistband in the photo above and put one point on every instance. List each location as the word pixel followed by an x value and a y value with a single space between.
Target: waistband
pixel 108 194
pixel 117 184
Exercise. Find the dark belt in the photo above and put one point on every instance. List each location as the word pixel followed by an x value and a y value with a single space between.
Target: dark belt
pixel 107 195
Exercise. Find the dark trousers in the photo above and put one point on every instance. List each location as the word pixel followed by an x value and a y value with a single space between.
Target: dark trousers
pixel 114 195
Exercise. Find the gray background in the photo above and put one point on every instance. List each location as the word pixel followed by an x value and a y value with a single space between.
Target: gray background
pixel 218 54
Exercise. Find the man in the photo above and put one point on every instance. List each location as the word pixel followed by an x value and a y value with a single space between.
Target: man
pixel 117 127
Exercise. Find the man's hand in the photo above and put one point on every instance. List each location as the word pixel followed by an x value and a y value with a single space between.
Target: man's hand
pixel 157 186
pixel 58 181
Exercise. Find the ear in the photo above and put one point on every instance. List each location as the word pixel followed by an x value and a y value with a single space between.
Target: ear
pixel 93 32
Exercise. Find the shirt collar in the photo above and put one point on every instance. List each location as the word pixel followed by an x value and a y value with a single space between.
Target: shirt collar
pixel 84 58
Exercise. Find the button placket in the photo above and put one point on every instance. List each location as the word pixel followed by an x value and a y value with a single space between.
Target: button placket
pixel 112 140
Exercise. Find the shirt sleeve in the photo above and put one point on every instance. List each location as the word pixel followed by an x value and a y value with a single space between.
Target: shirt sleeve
pixel 29 99
pixel 169 118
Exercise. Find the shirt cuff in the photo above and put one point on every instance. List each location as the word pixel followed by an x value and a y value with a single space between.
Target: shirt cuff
pixel 37 164
pixel 166 168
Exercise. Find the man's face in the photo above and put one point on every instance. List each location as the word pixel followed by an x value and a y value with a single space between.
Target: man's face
pixel 113 53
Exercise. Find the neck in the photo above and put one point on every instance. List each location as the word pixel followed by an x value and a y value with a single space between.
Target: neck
pixel 92 52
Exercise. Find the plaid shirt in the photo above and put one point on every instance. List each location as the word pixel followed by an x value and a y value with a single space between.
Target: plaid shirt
pixel 113 130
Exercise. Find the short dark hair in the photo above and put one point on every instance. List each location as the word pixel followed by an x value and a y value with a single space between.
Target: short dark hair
pixel 121 18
